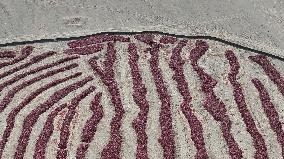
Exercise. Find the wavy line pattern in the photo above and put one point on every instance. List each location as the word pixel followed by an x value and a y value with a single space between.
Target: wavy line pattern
pixel 10 121
pixel 113 148
pixel 65 131
pixel 93 63
pixel 259 143
pixel 176 63
pixel 213 104
pixel 7 54
pixel 25 52
pixel 139 97
pixel 90 127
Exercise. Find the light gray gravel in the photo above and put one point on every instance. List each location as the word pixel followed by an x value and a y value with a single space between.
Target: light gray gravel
pixel 257 24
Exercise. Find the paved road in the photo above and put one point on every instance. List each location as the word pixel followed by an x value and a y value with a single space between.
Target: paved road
pixel 254 23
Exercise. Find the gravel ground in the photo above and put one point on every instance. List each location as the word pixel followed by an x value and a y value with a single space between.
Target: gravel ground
pixel 215 65
pixel 256 24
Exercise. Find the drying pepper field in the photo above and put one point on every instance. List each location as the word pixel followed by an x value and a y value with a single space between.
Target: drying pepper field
pixel 140 96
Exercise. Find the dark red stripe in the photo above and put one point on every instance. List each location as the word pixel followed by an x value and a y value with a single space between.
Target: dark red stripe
pixel 84 50
pixel 8 54
pixel 213 104
pixel 90 127
pixel 270 112
pixel 82 150
pixel 25 52
pixel 167 134
pixel 258 140
pixel 176 64
pixel 33 60
pixel 146 38
pixel 98 39
pixel 113 148
pixel 270 71
pixel 139 97
pixel 46 133
pixel 64 130
pixel 168 40
pixel 40 68
pixel 9 96
pixel 61 153
pixel 31 119
pixel 10 121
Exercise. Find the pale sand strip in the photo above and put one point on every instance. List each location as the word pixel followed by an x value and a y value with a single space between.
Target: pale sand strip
pixel 82 115
pixel 249 71
pixel 124 81
pixel 52 145
pixel 276 97
pixel 42 63
pixel 56 133
pixel 214 141
pixel 102 134
pixel 75 126
pixel 183 148
pixel 215 63
pixel 13 140
pixel 153 126
pixel 216 145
